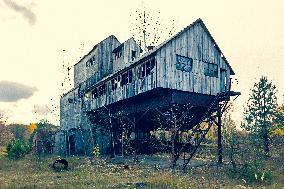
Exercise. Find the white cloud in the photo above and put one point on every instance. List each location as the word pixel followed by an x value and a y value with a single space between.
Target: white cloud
pixel 13 92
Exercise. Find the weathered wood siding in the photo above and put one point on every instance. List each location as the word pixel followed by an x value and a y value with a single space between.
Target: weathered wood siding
pixel 193 43
pixel 72 109
pixel 102 65
pixel 70 112
pixel 137 86
pixel 126 59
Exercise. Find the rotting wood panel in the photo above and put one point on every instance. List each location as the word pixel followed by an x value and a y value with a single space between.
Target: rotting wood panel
pixel 127 57
pixel 202 49
pixel 102 61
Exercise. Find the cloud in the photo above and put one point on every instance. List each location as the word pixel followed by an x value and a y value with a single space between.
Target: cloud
pixel 12 91
pixel 26 12
pixel 42 110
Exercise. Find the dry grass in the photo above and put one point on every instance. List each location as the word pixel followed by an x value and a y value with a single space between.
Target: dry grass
pixel 84 172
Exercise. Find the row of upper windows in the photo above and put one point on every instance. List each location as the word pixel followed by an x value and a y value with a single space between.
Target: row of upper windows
pixel 125 78
pixel 116 82
pixel 182 63
pixel 117 55
pixel 122 80
pixel 144 69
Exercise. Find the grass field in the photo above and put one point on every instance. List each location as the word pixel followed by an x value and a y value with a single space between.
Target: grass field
pixel 86 172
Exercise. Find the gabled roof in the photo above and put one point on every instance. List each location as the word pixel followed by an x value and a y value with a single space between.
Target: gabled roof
pixel 121 45
pixel 154 50
pixel 111 36
pixel 216 45
pixel 198 21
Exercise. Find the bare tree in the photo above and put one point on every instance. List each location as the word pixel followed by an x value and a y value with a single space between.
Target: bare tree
pixel 149 30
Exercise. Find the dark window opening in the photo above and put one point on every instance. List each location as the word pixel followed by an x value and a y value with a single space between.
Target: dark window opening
pixel 112 84
pixel 102 90
pixel 91 62
pixel 146 68
pixel 115 83
pixel 126 78
pixel 152 63
pixel 130 76
pixel 99 91
pixel 123 79
pixel 143 70
pixel 133 55
pixel 118 52
pixel 211 69
pixel 71 144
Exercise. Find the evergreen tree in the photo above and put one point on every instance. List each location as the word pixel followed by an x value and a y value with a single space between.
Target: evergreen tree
pixel 260 112
pixel 279 120
pixel 278 126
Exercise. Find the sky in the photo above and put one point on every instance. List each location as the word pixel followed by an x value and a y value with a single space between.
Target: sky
pixel 40 39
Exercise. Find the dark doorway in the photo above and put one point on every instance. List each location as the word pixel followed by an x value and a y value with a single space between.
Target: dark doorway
pixel 71 145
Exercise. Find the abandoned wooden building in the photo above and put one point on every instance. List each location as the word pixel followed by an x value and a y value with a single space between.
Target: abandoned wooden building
pixel 188 70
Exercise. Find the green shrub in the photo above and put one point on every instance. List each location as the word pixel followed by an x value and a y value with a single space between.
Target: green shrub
pixel 252 173
pixel 17 148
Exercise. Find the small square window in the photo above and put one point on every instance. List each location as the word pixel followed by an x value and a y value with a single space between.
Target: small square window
pixel 210 69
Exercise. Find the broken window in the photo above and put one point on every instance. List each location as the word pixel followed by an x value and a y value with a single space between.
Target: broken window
pixel 146 68
pixel 133 55
pixel 115 82
pixel 211 69
pixel 102 90
pixel 118 52
pixel 184 63
pixel 143 70
pixel 126 78
pixel 91 62
pixel 99 91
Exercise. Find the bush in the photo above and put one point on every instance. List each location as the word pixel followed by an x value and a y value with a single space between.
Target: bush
pixel 253 173
pixel 17 148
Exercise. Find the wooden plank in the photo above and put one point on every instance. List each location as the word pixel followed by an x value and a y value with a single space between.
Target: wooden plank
pixel 168 71
pixel 184 52
pixel 176 73
pixel 191 54
pixel 158 68
pixel 164 67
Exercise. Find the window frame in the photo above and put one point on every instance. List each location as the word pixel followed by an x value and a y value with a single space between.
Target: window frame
pixel 211 69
